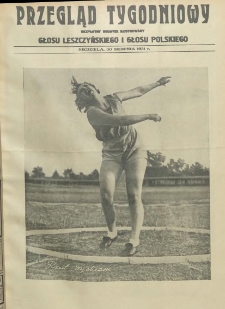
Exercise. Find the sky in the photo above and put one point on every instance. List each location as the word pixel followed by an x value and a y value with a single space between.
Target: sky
pixel 58 136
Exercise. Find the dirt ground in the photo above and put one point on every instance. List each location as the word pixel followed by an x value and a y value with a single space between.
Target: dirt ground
pixel 57 207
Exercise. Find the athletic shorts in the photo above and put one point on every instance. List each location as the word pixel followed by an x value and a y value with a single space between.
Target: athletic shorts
pixel 124 157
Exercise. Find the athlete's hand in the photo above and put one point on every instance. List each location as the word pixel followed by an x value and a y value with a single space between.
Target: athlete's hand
pixel 155 117
pixel 164 80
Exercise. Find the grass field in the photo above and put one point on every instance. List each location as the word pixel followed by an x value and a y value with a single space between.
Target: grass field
pixel 61 207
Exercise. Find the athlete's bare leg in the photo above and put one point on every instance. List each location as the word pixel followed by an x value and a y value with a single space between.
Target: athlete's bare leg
pixel 135 170
pixel 110 173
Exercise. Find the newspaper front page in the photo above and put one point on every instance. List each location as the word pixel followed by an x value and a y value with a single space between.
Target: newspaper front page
pixel 112 154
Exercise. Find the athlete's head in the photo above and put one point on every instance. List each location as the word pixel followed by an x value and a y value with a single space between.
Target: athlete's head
pixel 85 93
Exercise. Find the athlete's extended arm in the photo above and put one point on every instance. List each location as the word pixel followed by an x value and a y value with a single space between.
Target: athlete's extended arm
pixel 98 117
pixel 139 91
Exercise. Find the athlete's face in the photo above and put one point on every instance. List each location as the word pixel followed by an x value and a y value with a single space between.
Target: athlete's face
pixel 86 92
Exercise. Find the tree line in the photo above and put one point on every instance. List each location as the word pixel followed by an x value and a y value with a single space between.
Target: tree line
pixel 37 172
pixel 155 168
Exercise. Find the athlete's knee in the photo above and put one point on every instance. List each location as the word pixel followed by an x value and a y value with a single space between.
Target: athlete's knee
pixel 134 198
pixel 106 197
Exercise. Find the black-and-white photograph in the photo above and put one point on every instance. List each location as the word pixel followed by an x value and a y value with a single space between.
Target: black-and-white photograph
pixel 117 184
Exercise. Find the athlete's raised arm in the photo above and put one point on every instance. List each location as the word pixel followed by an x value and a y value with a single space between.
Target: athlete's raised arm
pixel 97 117
pixel 141 90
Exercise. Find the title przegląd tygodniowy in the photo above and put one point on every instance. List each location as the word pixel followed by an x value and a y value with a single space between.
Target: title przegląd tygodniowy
pixel 116 14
